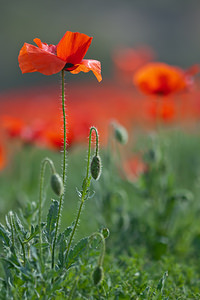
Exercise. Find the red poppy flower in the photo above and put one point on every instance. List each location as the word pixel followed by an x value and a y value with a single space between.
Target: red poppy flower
pixel 51 59
pixel 162 79
pixel 128 60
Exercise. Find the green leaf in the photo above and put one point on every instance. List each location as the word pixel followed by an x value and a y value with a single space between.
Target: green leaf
pixel 61 255
pixel 74 253
pixel 20 228
pixel 34 232
pixel 4 235
pixel 51 220
pixel 62 241
pixel 161 283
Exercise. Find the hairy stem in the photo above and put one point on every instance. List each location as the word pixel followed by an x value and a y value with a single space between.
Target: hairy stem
pixel 103 247
pixel 86 184
pixel 64 169
pixel 43 166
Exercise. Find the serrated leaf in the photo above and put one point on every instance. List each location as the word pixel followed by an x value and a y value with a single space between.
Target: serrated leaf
pixel 51 220
pixel 61 255
pixel 4 235
pixel 34 232
pixel 68 230
pixel 18 224
pixel 74 253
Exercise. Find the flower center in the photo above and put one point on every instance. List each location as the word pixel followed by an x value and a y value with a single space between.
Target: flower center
pixel 68 66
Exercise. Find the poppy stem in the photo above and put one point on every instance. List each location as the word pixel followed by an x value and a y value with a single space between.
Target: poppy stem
pixel 43 166
pixel 64 125
pixel 64 169
pixel 85 187
pixel 103 246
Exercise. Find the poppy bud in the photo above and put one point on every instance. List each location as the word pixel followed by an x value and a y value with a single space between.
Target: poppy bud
pixel 97 275
pixel 57 184
pixel 95 167
pixel 121 134
pixel 105 232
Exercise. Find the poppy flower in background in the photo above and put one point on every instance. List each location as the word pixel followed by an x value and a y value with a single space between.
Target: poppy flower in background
pixel 52 136
pixel 128 60
pixel 134 166
pixel 2 157
pixel 162 79
pixel 17 128
pixel 12 126
pixel 162 110
pixel 67 55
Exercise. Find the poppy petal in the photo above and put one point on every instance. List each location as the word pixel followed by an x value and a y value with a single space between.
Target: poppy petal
pixel 73 47
pixel 32 59
pixel 45 46
pixel 87 65
pixel 25 62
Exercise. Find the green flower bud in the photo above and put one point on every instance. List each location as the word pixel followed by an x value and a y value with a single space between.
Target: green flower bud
pixel 105 232
pixel 57 184
pixel 121 133
pixel 95 167
pixel 97 275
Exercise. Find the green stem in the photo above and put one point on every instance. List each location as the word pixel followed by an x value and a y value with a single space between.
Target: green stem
pixel 64 168
pixel 86 184
pixel 103 247
pixel 64 126
pixel 89 148
pixel 74 228
pixel 43 166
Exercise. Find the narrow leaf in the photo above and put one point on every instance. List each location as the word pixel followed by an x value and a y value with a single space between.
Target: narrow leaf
pixel 161 283
pixel 20 228
pixel 4 235
pixel 61 255
pixel 51 220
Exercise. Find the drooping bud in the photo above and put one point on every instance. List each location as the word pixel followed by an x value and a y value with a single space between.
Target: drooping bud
pixel 95 167
pixel 57 184
pixel 105 232
pixel 97 275
pixel 120 133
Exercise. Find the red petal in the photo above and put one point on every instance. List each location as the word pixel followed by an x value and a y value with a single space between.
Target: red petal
pixel 25 63
pixel 89 65
pixel 32 59
pixel 45 46
pixel 73 47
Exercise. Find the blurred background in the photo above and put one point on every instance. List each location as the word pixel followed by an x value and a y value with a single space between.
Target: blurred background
pixel 170 27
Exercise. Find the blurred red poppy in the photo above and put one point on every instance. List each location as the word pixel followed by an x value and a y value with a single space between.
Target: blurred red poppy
pixel 11 125
pixel 17 128
pixel 52 135
pixel 162 79
pixel 67 55
pixel 128 60
pixel 134 167
pixel 2 157
pixel 162 110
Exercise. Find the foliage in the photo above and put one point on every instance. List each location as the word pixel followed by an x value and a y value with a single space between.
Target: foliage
pixel 153 246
